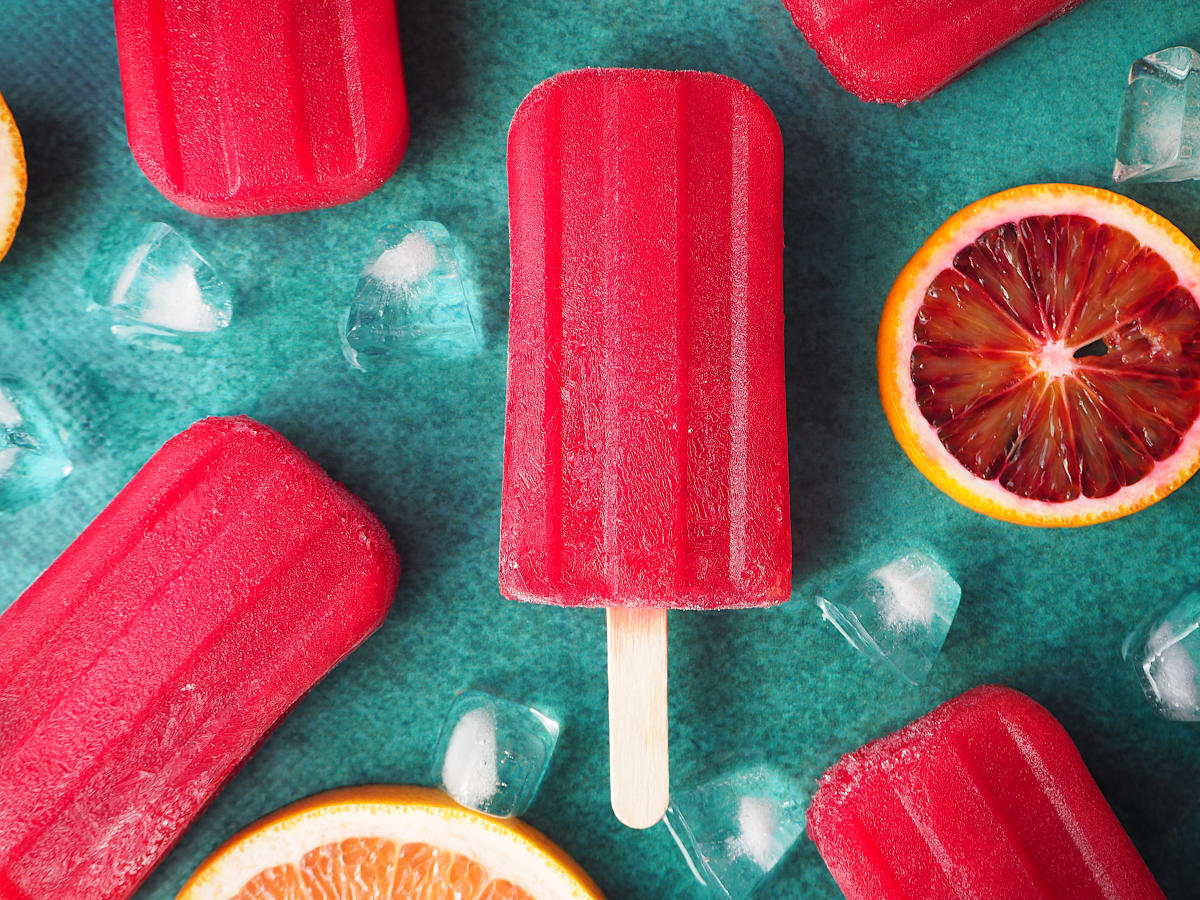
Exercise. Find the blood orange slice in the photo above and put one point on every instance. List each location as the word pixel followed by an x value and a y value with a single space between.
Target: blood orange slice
pixel 387 843
pixel 12 177
pixel 1039 357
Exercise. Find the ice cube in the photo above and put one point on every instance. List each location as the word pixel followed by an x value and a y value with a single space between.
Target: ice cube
pixel 412 295
pixel 898 612
pixel 33 458
pixel 156 286
pixel 734 828
pixel 1164 651
pixel 492 753
pixel 1159 135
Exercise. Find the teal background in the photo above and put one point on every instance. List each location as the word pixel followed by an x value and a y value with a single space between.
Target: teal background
pixel 421 440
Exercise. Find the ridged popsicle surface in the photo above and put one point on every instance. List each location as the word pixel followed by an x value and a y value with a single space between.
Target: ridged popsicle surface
pixel 646 446
pixel 985 798
pixel 897 51
pixel 144 666
pixel 238 108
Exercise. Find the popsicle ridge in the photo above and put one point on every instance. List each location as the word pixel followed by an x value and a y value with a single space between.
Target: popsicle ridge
pixel 1071 825
pixel 685 333
pixel 646 432
pixel 341 78
pixel 164 101
pixel 994 803
pixel 739 354
pixel 139 671
pixel 304 114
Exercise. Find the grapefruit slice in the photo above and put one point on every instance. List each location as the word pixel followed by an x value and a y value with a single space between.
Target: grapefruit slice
pixel 1039 357
pixel 12 178
pixel 387 843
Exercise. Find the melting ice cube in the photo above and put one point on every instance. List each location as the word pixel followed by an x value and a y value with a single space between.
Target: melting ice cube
pixel 33 459
pixel 469 770
pixel 735 828
pixel 413 294
pixel 492 753
pixel 1164 651
pixel 156 286
pixel 1159 135
pixel 898 613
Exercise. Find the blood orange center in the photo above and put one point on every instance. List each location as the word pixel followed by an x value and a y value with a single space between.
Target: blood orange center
pixel 1059 357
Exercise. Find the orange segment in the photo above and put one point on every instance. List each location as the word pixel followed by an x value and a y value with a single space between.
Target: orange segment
pixel 13 178
pixel 387 843
pixel 1039 357
pixel 376 869
pixel 355 869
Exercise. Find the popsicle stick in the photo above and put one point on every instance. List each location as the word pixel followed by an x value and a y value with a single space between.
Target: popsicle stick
pixel 639 768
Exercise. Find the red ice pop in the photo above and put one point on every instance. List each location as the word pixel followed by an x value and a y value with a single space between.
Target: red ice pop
pixel 144 666
pixel 250 107
pixel 645 461
pixel 985 797
pixel 897 51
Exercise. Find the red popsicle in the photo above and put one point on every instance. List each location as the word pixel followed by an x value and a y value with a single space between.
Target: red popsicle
pixel 144 666
pixel 645 460
pixel 985 797
pixel 250 107
pixel 897 51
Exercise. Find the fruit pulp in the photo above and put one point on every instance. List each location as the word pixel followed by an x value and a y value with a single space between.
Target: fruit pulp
pixel 1059 357
pixel 378 868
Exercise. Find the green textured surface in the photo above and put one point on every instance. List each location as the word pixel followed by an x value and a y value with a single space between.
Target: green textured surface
pixel 421 441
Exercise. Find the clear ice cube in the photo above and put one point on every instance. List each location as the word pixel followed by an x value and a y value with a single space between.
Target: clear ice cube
pixel 897 612
pixel 33 458
pixel 735 828
pixel 1164 651
pixel 156 286
pixel 1159 135
pixel 412 295
pixel 493 753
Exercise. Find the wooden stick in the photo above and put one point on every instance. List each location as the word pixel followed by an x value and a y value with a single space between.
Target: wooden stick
pixel 639 767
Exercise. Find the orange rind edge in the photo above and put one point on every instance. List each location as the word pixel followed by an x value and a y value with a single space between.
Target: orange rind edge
pixel 9 132
pixel 916 275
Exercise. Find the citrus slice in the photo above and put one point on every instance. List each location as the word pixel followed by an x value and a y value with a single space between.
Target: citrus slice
pixel 387 843
pixel 1039 357
pixel 12 178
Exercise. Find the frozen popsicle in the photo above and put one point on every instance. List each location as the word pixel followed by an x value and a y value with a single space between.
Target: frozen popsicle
pixel 897 51
pixel 144 666
pixel 985 797
pixel 645 462
pixel 241 109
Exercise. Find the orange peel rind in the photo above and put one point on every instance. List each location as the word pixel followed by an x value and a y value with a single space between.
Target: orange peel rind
pixel 907 312
pixel 13 178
